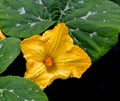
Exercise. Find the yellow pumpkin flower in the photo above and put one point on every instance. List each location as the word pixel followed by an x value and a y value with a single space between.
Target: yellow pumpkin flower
pixel 53 55
pixel 2 36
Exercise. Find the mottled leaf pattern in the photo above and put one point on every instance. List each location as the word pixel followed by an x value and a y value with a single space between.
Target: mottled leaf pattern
pixel 24 18
pixel 9 50
pixel 94 26
pixel 14 88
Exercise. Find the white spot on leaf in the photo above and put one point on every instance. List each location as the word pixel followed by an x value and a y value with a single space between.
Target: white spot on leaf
pixel 1 55
pixel 1 92
pixel 39 2
pixel 76 41
pixel 39 18
pixel 93 34
pixel 11 90
pixel 81 1
pixel 106 39
pixel 75 18
pixel 77 29
pixel 67 6
pixel 103 11
pixel 31 24
pixel 36 90
pixel 104 20
pixel 26 100
pixel 29 89
pixel 0 45
pixel 96 5
pixel 18 96
pixel 10 57
pixel 71 30
pixel 84 48
pixel 21 10
pixel 8 7
pixel 17 24
pixel 88 15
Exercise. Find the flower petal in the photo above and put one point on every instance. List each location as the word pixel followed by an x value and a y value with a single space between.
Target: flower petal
pixel 34 52
pixel 2 36
pixel 76 59
pixel 33 48
pixel 56 40
pixel 68 60
pixel 37 73
pixel 41 80
pixel 58 73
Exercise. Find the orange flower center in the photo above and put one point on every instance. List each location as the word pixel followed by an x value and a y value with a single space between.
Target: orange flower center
pixel 48 61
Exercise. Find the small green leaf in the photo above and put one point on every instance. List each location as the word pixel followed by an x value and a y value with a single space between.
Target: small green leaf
pixel 9 50
pixel 24 18
pixel 14 88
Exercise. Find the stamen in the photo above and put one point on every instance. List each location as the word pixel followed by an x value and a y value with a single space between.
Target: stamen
pixel 48 61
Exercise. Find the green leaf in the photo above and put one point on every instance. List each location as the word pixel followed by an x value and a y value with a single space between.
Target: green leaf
pixel 14 88
pixel 9 50
pixel 97 43
pixel 94 26
pixel 24 18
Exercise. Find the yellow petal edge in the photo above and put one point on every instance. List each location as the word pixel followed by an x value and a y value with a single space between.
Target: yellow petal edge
pixel 2 36
pixel 53 55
